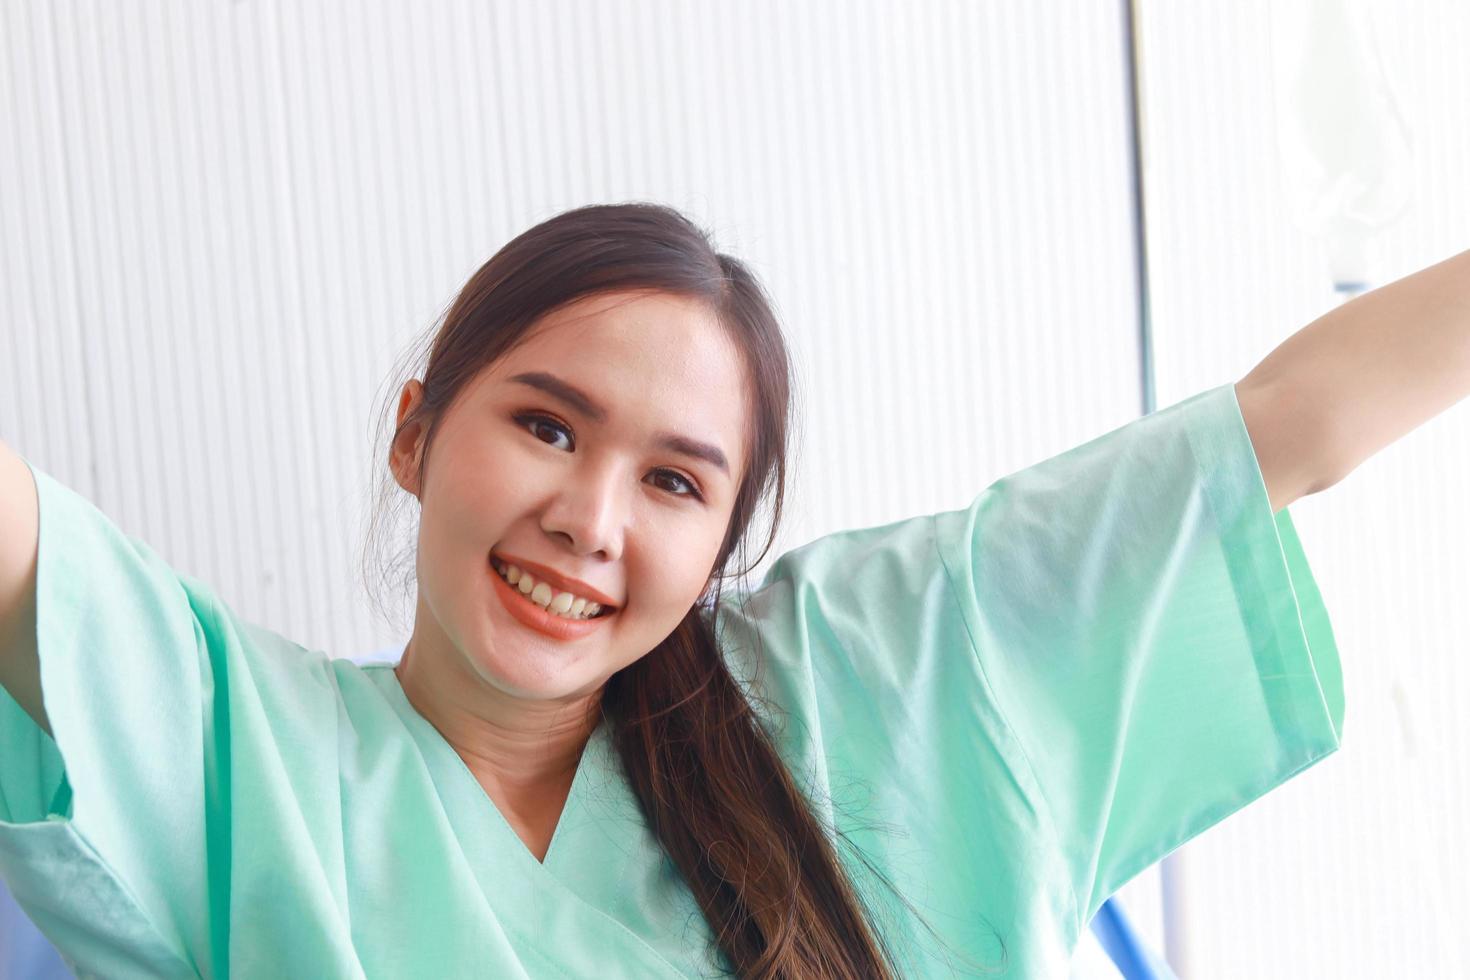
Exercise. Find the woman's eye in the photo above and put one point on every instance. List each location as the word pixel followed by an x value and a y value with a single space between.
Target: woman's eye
pixel 533 422
pixel 691 492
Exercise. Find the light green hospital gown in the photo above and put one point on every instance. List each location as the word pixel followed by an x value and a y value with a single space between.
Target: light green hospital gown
pixel 1012 708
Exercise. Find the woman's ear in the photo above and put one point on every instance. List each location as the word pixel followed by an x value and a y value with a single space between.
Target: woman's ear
pixel 403 454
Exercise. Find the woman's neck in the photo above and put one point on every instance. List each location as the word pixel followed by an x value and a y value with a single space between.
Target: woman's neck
pixel 525 754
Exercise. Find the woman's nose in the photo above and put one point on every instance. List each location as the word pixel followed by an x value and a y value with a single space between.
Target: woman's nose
pixel 591 514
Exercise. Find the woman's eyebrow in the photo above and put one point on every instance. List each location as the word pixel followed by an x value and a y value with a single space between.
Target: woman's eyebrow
pixel 578 400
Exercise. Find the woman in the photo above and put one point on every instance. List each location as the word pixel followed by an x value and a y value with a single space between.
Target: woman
pixel 931 748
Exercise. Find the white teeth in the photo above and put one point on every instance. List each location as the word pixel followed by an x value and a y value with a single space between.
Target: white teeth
pixel 563 604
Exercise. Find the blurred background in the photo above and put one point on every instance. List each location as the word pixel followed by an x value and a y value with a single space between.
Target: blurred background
pixel 993 230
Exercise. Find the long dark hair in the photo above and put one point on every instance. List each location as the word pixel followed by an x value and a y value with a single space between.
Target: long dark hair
pixel 705 771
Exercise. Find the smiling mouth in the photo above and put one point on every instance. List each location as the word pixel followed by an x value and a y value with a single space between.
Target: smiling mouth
pixel 501 566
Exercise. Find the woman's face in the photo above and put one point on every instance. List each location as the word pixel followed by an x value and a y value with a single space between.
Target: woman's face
pixel 592 492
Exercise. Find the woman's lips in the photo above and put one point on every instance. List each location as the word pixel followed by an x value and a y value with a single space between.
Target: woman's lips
pixel 555 579
pixel 532 615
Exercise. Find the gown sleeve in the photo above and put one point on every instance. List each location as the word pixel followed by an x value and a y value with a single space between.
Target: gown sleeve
pixel 1150 632
pixel 118 831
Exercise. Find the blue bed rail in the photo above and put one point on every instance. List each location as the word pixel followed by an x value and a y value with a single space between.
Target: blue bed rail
pixel 1128 952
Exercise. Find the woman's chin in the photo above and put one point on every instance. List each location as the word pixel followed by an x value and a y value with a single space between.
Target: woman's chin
pixel 535 675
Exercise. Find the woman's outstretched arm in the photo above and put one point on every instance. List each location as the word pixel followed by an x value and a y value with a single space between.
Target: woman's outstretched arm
pixel 20 662
pixel 1363 375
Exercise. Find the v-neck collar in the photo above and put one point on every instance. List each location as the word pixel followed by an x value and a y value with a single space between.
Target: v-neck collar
pixel 456 782
pixel 600 839
pixel 607 881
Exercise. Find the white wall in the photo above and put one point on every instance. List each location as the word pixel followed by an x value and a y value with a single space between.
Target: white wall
pixel 1356 868
pixel 223 223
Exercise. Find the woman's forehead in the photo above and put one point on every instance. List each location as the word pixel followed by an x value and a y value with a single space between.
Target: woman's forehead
pixel 630 319
pixel 650 344
pixel 656 360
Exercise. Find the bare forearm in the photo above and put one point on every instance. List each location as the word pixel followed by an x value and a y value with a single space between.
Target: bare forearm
pixel 1381 365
